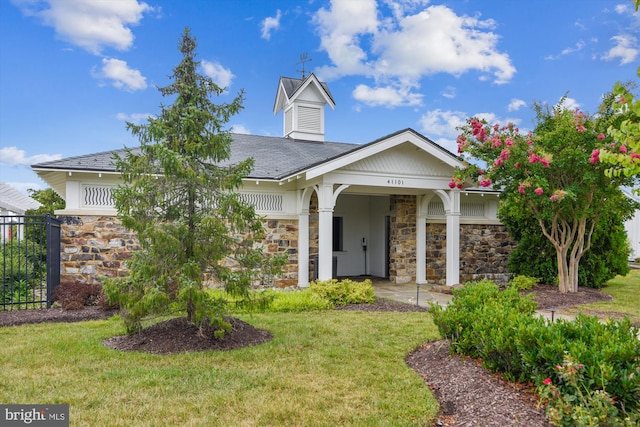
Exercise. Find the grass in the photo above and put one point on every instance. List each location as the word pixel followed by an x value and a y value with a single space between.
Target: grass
pixel 321 368
pixel 625 291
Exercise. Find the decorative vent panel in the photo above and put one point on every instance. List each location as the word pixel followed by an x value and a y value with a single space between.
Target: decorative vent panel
pixel 97 196
pixel 475 210
pixel 264 202
pixel 472 209
pixel 309 118
pixel 435 208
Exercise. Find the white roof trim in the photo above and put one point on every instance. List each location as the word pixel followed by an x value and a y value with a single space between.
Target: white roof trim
pixel 380 146
pixel 282 100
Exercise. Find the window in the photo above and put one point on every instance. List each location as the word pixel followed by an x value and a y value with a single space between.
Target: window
pixel 337 233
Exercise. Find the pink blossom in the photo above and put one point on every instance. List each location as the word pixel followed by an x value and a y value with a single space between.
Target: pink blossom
pixel 481 171
pixel 508 142
pixel 546 381
pixel 496 142
pixel 460 186
pixel 452 184
pixel 601 136
pixel 623 148
pixel 595 157
pixel 544 162
pixel 538 191
pixel 498 162
pixel 504 154
pixel 482 135
pixel 516 165
pixel 485 182
pixel 581 128
pixel 496 127
pixel 521 188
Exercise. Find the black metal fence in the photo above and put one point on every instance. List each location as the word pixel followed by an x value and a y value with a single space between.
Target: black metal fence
pixel 29 261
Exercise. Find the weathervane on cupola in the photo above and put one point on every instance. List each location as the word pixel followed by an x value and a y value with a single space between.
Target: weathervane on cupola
pixel 303 101
pixel 304 57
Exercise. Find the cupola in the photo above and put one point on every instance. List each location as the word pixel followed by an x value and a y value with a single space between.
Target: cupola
pixel 303 102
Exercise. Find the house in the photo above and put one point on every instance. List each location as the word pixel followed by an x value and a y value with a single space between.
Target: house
pixel 337 209
pixel 13 203
pixel 632 226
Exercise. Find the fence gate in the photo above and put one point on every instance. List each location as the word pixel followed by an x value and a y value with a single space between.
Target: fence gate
pixel 29 261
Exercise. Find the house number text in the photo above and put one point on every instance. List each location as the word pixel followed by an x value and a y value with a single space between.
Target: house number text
pixel 395 181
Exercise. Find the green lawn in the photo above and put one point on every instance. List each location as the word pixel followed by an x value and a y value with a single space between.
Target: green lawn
pixel 322 368
pixel 625 291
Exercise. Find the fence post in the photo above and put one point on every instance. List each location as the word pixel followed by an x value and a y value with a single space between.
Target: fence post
pixel 53 256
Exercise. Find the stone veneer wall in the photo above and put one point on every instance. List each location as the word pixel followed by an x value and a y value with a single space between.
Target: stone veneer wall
pixel 484 249
pixel 402 256
pixel 484 253
pixel 94 247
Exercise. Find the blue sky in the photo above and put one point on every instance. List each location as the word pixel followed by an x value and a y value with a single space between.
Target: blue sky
pixel 73 71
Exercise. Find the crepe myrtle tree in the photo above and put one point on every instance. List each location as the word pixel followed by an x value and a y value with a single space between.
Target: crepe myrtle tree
pixel 549 173
pixel 623 154
pixel 179 194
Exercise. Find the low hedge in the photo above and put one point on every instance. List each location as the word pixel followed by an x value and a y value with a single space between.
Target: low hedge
pixel 500 328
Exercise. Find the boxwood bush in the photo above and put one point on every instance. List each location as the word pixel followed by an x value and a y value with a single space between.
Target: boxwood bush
pixel 500 328
pixel 343 292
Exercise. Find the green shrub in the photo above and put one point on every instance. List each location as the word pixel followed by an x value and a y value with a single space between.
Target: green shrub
pixel 299 301
pixel 274 301
pixel 499 327
pixel 524 283
pixel 343 292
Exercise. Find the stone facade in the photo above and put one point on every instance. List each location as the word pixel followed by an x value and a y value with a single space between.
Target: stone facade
pixel 484 249
pixel 93 247
pixel 96 247
pixel 402 245
pixel 484 253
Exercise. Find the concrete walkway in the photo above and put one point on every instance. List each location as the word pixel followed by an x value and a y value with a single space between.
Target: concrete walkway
pixel 424 294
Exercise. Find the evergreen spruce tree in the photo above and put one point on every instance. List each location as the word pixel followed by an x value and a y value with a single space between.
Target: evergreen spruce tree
pixel 180 196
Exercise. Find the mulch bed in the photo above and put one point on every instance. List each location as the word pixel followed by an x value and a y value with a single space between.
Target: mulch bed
pixel 178 335
pixel 468 394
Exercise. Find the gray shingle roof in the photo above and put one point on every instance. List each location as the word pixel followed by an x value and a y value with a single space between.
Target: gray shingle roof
pixel 275 157
pixel 291 85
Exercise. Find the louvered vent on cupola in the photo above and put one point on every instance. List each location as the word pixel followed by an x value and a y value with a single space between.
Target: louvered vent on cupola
pixel 303 102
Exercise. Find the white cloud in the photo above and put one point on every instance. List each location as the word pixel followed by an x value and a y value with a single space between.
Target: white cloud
pixel 386 96
pixel 516 104
pixel 240 129
pixel 121 76
pixel 398 50
pixel 442 126
pixel 449 92
pixel 220 75
pixel 135 118
pixel 270 24
pixel 626 48
pixel 13 156
pixel 570 104
pixel 89 24
pixel 442 123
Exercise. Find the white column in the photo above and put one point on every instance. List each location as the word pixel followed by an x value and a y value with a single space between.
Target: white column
pixel 421 244
pixel 453 238
pixel 303 249
pixel 325 231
